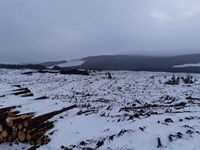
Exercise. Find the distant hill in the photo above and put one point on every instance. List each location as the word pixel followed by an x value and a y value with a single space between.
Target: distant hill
pixel 28 66
pixel 141 63
pixel 133 63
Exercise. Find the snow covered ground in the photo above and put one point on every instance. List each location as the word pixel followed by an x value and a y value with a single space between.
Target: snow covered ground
pixel 187 65
pixel 131 111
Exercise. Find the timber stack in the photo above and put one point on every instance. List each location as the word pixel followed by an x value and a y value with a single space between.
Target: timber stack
pixel 26 128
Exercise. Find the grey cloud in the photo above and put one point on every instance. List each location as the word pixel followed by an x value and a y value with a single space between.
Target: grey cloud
pixel 40 30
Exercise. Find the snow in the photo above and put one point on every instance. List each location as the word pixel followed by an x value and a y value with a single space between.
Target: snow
pixel 104 98
pixel 74 62
pixel 187 65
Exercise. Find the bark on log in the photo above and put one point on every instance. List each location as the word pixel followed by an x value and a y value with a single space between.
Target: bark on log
pixel 47 116
pixel 18 118
pixel 192 98
pixel 41 98
pixel 21 92
pixel 41 130
pixel 21 89
pixel 7 114
pixel 39 126
pixel 2 110
pixel 27 95
pixel 23 116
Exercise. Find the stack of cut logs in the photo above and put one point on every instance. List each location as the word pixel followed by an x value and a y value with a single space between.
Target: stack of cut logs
pixel 24 92
pixel 26 128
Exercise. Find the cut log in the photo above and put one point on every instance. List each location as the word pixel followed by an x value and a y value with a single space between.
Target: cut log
pixel 25 123
pixel 9 138
pixel 14 134
pixel 39 126
pixel 2 126
pixel 47 116
pixel 20 126
pixel 41 98
pixel 21 136
pixel 7 114
pixel 19 86
pixel 41 130
pixel 21 89
pixel 23 116
pixel 21 92
pixel 18 119
pixel 1 138
pixel 33 142
pixel 27 95
pixel 4 133
pixel 9 122
pixel 2 110
pixel 192 98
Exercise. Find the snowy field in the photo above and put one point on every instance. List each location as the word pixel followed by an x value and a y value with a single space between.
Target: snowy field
pixel 131 111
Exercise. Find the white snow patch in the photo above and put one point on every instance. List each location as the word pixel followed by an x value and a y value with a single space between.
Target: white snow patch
pixel 104 98
pixel 74 62
pixel 187 65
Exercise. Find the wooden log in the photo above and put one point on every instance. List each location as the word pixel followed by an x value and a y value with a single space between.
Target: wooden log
pixel 21 89
pixel 9 122
pixel 45 141
pixel 2 110
pixel 1 138
pixel 192 98
pixel 2 126
pixel 39 126
pixel 14 134
pixel 9 138
pixel 23 116
pixel 21 136
pixel 41 98
pixel 14 128
pixel 24 129
pixel 4 133
pixel 25 123
pixel 47 116
pixel 7 114
pixel 28 137
pixel 27 95
pixel 21 92
pixel 33 142
pixel 19 86
pixel 40 131
pixel 20 126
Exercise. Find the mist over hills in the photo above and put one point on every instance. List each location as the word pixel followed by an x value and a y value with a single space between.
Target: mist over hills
pixel 141 63
pixel 182 63
pixel 135 63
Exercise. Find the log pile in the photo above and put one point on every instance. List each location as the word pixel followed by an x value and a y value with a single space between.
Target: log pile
pixel 23 92
pixel 26 128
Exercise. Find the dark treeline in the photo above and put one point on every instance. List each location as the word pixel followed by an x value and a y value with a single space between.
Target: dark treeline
pixel 29 66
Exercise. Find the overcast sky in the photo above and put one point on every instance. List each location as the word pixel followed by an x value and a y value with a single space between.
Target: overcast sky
pixel 40 30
